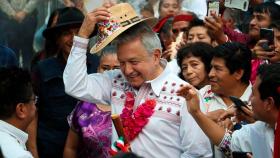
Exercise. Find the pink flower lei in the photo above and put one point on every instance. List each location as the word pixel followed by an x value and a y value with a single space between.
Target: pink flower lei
pixel 133 122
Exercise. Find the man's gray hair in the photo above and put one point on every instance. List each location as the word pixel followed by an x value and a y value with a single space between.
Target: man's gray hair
pixel 149 39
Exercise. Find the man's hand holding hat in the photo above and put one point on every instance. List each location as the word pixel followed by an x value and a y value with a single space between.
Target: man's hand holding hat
pixel 91 19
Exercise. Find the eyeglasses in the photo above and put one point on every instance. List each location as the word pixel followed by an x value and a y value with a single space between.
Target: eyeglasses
pixel 176 31
pixel 33 99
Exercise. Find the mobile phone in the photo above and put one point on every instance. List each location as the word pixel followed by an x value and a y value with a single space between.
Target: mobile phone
pixel 239 154
pixel 213 7
pixel 237 4
pixel 267 34
pixel 238 103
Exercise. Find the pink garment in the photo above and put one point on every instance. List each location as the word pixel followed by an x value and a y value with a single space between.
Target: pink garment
pixel 237 36
pixel 255 63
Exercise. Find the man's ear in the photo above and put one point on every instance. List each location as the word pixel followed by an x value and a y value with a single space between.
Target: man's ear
pixel 238 74
pixel 157 54
pixel 20 110
pixel 270 104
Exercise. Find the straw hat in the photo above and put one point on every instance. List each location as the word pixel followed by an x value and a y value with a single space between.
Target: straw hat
pixel 123 17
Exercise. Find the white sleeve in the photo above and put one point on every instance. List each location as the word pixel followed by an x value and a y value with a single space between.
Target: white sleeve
pixel 92 88
pixel 194 142
pixel 240 140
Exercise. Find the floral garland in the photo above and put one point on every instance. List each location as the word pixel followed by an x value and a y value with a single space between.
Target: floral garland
pixel 133 122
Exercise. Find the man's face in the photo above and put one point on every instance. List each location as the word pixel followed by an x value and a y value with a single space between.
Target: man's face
pixel 259 20
pixel 136 64
pixel 256 102
pixel 31 109
pixel 220 78
pixel 179 26
pixel 276 57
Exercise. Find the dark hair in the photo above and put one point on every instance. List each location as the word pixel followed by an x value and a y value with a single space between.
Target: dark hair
pixel 270 82
pixel 51 45
pixel 196 22
pixel 270 8
pixel 166 30
pixel 15 87
pixel 276 24
pixel 198 49
pixel 236 56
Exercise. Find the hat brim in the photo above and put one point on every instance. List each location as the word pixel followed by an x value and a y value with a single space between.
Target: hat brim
pixel 150 21
pixel 49 31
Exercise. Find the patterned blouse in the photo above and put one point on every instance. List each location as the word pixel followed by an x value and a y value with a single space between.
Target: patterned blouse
pixel 94 127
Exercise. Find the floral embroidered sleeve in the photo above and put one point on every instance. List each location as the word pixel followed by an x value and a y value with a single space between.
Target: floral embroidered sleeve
pixel 224 146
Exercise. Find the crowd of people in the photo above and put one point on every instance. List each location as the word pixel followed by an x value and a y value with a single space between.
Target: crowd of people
pixel 181 79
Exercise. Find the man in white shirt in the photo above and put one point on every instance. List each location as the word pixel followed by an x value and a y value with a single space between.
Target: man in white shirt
pixel 170 131
pixel 257 138
pixel 229 76
pixel 17 110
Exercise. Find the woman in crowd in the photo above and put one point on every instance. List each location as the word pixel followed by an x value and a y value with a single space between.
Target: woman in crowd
pixel 53 103
pixel 194 61
pixel 198 32
pixel 90 124
pixel 168 8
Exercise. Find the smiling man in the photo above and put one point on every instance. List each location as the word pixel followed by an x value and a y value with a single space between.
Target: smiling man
pixel 229 76
pixel 168 130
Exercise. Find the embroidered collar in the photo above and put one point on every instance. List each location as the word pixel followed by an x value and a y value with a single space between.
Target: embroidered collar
pixel 156 83
pixel 159 82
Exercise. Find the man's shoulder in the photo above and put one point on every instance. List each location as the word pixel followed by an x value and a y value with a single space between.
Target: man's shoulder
pixel 7 140
pixel 206 90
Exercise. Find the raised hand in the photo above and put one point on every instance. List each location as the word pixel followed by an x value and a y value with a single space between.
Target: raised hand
pixel 259 52
pixel 91 19
pixel 215 25
pixel 191 95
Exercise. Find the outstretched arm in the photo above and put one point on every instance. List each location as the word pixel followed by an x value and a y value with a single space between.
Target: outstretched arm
pixel 214 132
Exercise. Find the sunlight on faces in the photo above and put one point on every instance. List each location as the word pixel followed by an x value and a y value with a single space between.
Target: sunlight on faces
pixel 198 34
pixel 108 62
pixel 136 64
pixel 259 20
pixel 220 78
pixel 194 71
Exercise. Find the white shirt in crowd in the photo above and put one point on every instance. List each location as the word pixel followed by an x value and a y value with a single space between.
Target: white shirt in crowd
pixel 12 141
pixel 171 130
pixel 214 102
pixel 257 138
